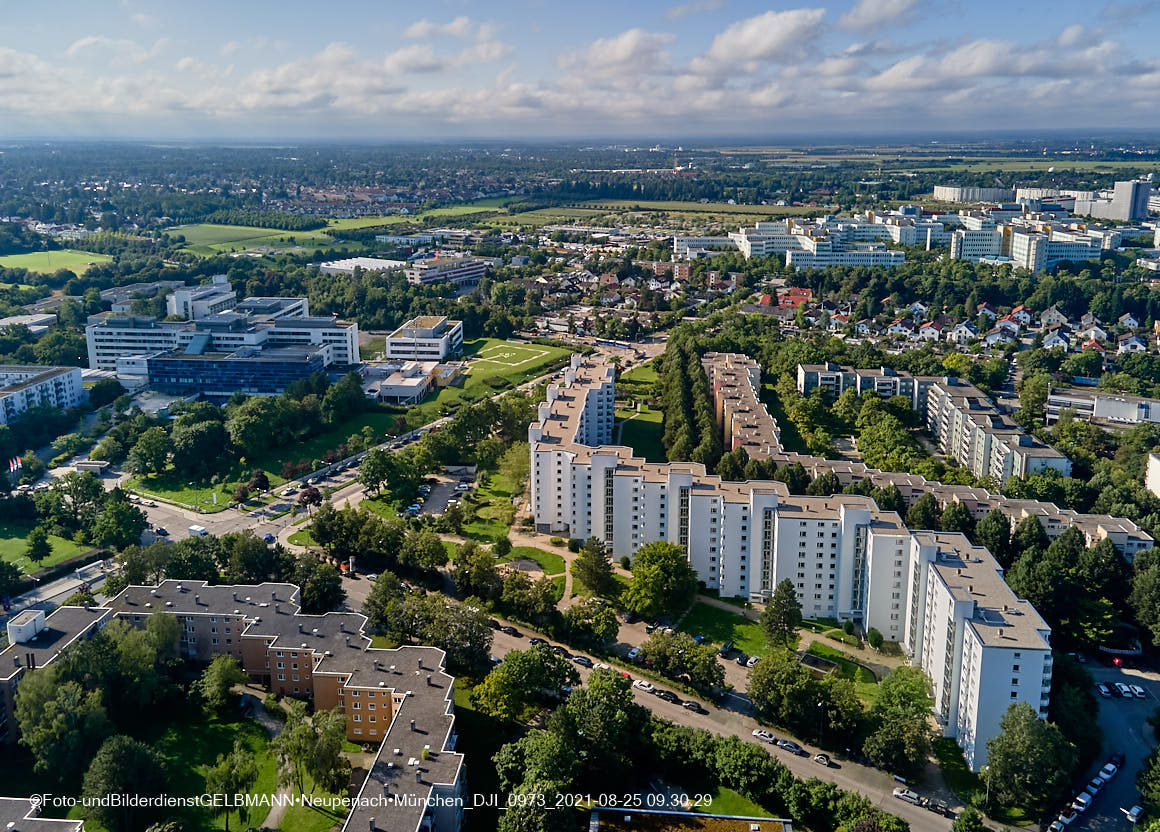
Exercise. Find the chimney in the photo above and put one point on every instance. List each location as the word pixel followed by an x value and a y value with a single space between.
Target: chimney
pixel 372 825
pixel 314 631
pixel 428 680
pixel 348 641
pixel 197 600
pixel 342 625
pixel 1000 632
pixel 300 627
pixel 275 608
pixel 273 595
pixel 418 775
pixel 420 662
pixel 412 725
pixel 235 595
pixel 16 661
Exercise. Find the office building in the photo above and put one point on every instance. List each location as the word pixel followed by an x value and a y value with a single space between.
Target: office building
pixel 956 193
pixel 194 302
pixel 847 558
pixel 36 324
pixel 1101 407
pixel 426 338
pixel 22 387
pixel 461 271
pixel 258 323
pixel 254 371
pixel 400 700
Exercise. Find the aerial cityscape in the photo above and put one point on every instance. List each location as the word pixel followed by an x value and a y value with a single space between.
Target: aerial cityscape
pixel 715 416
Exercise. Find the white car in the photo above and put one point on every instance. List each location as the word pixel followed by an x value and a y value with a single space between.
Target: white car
pixel 1108 771
pixel 1056 826
pixel 752 661
pixel 906 795
pixel 764 736
pixel 641 684
pixel 634 652
pixel 601 666
pixel 1082 802
pixel 1125 691
pixel 1139 691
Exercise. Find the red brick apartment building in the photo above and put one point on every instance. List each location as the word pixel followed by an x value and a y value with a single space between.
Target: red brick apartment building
pixel 400 699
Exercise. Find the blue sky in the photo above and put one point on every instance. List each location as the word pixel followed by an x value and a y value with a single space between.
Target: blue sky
pixel 359 69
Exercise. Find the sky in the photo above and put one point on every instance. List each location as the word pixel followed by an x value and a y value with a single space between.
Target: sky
pixel 527 69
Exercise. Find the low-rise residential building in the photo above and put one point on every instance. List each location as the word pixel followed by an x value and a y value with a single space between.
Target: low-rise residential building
pixel 25 386
pixel 426 338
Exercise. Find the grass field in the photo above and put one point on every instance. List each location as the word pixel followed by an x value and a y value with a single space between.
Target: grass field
pixel 964 782
pixel 208 239
pixel 550 562
pixel 720 625
pixel 176 489
pixel 694 207
pixel 14 540
pixel 728 802
pixel 48 262
pixel 642 430
pixel 495 514
pixel 489 358
pixel 865 683
pixel 302 537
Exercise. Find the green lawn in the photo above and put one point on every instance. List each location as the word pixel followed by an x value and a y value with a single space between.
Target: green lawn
pixel 302 537
pixel 480 737
pixel 728 802
pixel 50 261
pixel 641 374
pixel 642 431
pixel 201 494
pixel 14 540
pixel 381 508
pixel 965 783
pixel 550 562
pixel 372 348
pixel 791 439
pixel 865 682
pixel 495 512
pixel 208 239
pixel 720 625
pixel 509 363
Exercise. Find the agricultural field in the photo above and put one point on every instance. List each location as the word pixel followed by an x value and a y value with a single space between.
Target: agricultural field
pixel 545 216
pixel 48 262
pixel 208 239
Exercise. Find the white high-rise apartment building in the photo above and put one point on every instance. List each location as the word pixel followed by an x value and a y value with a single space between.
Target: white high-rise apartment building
pixel 845 556
pixel 22 387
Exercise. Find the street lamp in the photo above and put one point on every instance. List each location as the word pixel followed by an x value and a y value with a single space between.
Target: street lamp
pixel 987 781
pixel 821 715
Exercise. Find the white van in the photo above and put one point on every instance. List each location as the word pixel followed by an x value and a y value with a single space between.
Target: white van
pixel 198 531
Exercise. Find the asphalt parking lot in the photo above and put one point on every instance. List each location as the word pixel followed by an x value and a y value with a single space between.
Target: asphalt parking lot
pixel 1124 723
pixel 442 491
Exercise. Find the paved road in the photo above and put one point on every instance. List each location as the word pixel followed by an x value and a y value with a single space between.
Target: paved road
pixel 870 782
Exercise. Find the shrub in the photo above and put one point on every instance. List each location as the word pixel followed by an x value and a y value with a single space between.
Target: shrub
pixel 626 562
pixel 556 541
pixel 875 638
pixel 274 708
pixel 574 545
pixel 848 627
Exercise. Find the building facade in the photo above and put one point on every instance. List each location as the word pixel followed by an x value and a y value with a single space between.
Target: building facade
pixel 846 558
pixel 461 271
pixel 426 338
pixel 22 387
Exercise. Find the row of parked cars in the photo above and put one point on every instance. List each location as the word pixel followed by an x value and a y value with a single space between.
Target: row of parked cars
pixel 792 747
pixel 1120 689
pixel 1083 801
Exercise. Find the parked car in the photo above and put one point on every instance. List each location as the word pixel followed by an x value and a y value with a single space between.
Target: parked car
pixel 694 706
pixel 1117 760
pixel 494 659
pixel 161 531
pixel 1109 771
pixel 764 736
pixel 633 653
pixel 1094 785
pixel 668 696
pixel 268 538
pixel 601 666
pixel 726 649
pixel 510 630
pixel 699 639
pixel 1125 691
pixel 1104 691
pixel 791 746
pixel 372 576
pixel 641 684
pixel 583 661
pixel 1133 814
pixel 822 760
pixel 1068 815
pixel 650 628
pixel 1056 826
pixel 1081 802
pixel 906 795
pixel 742 659
pixel 751 661
pixel 1138 691
pixel 560 650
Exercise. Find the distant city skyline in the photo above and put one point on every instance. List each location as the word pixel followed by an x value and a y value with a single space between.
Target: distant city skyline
pixel 525 70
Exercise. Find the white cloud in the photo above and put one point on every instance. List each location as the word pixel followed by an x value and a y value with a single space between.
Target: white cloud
pixel 418 57
pixel 693 7
pixel 772 36
pixel 461 27
pixel 122 48
pixel 871 14
pixel 633 51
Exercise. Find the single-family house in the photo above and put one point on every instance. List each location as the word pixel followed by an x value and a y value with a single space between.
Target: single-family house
pixel 900 326
pixel 1008 324
pixel 1022 315
pixel 997 336
pixel 1130 343
pixel 1052 316
pixel 1092 331
pixel 1128 320
pixel 988 310
pixel 962 332
pixel 930 331
pixel 1057 338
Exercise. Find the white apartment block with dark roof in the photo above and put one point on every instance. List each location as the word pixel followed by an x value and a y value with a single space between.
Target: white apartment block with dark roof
pixel 22 387
pixel 847 558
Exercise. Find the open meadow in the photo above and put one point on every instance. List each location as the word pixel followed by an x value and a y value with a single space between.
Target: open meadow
pixel 48 262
